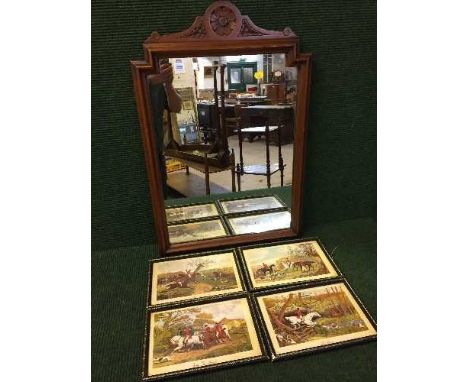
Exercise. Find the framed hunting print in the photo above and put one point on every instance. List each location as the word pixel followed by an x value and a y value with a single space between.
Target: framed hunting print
pixel 259 222
pixel 199 230
pixel 200 337
pixel 184 278
pixel 287 263
pixel 190 212
pixel 249 204
pixel 299 321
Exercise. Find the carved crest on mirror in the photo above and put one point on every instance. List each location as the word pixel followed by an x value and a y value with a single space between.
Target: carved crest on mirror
pixel 221 20
pixel 220 34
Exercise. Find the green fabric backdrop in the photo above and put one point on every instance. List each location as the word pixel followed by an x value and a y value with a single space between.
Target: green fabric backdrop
pixel 340 185
pixel 119 282
pixel 341 162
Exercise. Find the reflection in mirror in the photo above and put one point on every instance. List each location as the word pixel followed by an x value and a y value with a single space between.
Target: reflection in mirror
pixel 224 128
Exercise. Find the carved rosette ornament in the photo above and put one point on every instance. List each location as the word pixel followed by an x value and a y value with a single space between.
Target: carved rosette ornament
pixel 223 21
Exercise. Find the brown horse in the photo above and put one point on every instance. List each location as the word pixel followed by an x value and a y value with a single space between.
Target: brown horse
pixel 209 336
pixel 303 264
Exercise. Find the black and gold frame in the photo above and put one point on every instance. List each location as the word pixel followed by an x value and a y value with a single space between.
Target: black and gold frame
pixel 307 319
pixel 250 203
pixel 185 213
pixel 292 262
pixel 258 221
pixel 195 230
pixel 200 276
pixel 185 339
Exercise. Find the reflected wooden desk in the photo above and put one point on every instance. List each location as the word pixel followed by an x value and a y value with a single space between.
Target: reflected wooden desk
pixel 255 115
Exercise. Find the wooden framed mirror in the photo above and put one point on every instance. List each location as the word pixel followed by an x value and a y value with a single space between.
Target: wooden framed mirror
pixel 223 109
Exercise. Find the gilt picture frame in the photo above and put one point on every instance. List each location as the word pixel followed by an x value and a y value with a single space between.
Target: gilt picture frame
pixel 290 262
pixel 232 320
pixel 220 275
pixel 324 316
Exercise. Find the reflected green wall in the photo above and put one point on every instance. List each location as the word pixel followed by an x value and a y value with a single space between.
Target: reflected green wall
pixel 341 161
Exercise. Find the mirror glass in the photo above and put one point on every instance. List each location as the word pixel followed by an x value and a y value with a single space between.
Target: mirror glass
pixel 224 129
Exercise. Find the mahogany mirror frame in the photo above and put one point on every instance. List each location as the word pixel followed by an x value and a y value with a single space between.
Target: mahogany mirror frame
pixel 222 31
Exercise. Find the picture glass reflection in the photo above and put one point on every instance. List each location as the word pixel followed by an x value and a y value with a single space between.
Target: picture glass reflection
pixel 224 129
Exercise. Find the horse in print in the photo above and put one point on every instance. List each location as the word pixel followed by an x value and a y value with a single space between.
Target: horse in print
pixel 265 269
pixel 303 265
pixel 308 320
pixel 221 332
pixel 181 342
pixel 181 279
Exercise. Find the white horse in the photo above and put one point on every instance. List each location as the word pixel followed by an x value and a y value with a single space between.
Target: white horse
pixel 310 317
pixel 308 320
pixel 180 343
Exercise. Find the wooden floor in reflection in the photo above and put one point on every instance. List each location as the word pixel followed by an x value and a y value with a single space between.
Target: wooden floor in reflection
pixel 220 183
